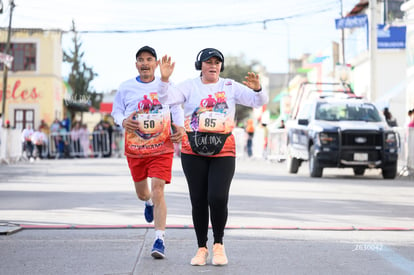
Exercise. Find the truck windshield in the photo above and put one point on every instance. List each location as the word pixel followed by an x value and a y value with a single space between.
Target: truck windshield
pixel 347 111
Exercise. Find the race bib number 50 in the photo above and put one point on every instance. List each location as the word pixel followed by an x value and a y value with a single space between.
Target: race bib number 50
pixel 212 122
pixel 150 123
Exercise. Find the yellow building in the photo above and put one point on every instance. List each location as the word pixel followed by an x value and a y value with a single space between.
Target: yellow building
pixel 35 88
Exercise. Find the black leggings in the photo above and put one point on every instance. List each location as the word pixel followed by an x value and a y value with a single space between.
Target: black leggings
pixel 208 180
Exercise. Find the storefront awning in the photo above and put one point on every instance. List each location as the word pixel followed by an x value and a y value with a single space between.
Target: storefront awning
pixel 76 106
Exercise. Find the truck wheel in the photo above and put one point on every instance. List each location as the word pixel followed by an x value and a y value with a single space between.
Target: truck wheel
pixel 292 163
pixel 390 171
pixel 314 168
pixel 359 171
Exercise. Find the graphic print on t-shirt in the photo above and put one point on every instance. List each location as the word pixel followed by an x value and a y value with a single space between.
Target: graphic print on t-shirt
pixel 150 117
pixel 153 131
pixel 211 115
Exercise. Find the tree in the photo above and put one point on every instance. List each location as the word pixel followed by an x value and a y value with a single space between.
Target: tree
pixel 236 68
pixel 80 77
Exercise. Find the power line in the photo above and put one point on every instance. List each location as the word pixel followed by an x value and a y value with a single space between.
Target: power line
pixel 222 25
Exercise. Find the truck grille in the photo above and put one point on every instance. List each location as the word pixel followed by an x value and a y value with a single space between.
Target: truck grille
pixel 362 139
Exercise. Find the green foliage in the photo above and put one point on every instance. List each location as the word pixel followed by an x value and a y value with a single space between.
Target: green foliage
pixel 81 75
pixel 236 68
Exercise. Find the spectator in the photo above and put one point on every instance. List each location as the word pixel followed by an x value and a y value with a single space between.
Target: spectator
pixel 411 118
pixel 282 124
pixel 75 139
pixel 118 140
pixel 266 139
pixel 44 128
pixel 107 139
pixel 27 141
pixel 250 134
pixel 7 124
pixel 389 118
pixel 97 139
pixel 54 133
pixel 63 143
pixel 66 123
pixel 84 140
pixel 54 128
pixel 39 140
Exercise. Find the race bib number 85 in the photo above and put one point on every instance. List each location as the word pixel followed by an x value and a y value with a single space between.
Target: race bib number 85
pixel 212 122
pixel 150 123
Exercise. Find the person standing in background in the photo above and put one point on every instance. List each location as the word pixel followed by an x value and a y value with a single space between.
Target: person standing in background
pixel 250 135
pixel 75 139
pixel 27 141
pixel 391 121
pixel 39 140
pixel 411 118
pixel 84 140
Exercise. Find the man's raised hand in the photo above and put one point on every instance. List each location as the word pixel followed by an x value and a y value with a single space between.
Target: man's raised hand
pixel 166 67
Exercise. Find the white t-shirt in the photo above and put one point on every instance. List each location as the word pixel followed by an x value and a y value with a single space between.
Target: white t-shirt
pixel 153 136
pixel 210 108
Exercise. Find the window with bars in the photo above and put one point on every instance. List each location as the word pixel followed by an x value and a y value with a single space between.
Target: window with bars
pixel 24 56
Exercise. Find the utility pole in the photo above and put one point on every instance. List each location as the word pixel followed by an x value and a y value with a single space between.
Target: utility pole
pixel 343 36
pixel 288 53
pixel 373 50
pixel 6 68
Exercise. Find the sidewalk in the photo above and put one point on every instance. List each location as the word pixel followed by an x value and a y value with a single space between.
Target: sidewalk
pixel 82 217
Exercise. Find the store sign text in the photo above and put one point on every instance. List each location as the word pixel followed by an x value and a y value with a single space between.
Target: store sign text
pixel 17 93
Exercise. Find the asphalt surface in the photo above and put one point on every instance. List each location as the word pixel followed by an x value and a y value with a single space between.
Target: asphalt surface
pixel 81 216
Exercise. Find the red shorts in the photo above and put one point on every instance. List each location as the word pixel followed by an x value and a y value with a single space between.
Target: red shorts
pixel 151 167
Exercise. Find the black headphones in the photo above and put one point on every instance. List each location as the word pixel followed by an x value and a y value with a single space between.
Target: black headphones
pixel 198 61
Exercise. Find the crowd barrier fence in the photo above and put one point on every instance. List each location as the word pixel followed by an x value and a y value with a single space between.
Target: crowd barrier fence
pixel 276 146
pixel 62 145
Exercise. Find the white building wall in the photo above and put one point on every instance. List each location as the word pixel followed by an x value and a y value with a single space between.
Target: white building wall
pixel 408 8
pixel 360 75
pixel 391 81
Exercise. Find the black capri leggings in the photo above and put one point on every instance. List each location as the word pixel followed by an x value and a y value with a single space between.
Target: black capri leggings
pixel 208 180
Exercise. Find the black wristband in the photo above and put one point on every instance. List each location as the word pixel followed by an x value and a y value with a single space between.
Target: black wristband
pixel 258 90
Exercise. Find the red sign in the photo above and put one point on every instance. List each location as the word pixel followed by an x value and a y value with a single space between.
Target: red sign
pixel 17 93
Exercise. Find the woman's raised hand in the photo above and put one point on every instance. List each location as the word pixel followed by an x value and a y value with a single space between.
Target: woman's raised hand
pixel 252 81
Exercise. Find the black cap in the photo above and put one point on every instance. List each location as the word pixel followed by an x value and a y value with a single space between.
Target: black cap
pixel 147 49
pixel 209 53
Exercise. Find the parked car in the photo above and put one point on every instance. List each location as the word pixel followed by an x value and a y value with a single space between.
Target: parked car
pixel 342 131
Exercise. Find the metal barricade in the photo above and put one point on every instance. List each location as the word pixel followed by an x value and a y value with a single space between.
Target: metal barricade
pixel 276 148
pixel 240 139
pixel 406 154
pixel 62 145
pixel 11 149
pixel 118 143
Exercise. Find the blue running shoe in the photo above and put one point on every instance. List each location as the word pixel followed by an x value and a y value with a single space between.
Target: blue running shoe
pixel 158 249
pixel 149 212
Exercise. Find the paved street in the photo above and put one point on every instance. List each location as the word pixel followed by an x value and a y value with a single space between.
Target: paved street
pixel 81 216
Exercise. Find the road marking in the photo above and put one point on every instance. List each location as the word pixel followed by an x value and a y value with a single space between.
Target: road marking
pixel 396 259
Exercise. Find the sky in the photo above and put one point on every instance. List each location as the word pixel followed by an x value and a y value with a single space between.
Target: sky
pixel 181 29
